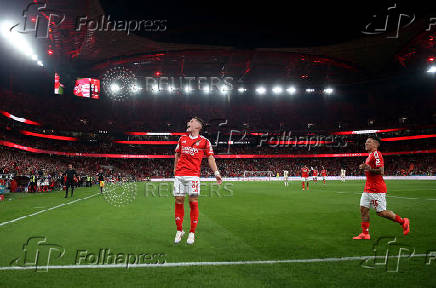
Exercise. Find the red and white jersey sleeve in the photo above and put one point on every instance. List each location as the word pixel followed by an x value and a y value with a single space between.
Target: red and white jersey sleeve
pixel 374 182
pixel 192 150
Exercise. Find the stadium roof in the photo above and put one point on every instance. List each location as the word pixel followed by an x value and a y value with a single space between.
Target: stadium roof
pixel 365 55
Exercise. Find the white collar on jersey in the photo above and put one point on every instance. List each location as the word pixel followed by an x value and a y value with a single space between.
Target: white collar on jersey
pixel 192 137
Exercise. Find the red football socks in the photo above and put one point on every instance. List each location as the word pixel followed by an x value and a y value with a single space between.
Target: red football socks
pixel 398 219
pixel 179 213
pixel 365 227
pixel 194 216
pixel 302 183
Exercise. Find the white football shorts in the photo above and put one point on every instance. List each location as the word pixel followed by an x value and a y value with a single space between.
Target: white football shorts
pixel 186 185
pixel 374 200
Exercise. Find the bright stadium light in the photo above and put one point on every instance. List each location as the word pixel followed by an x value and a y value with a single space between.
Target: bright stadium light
pixel 277 90
pixel 5 28
pixel 171 89
pixel 241 90
pixel 328 91
pixel 188 89
pixel 115 88
pixel 310 90
pixel 291 90
pixel 135 88
pixel 260 90
pixel 17 41
pixel 432 69
pixel 224 89
pixel 155 88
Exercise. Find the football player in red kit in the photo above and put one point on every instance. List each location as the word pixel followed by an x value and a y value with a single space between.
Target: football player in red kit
pixel 374 193
pixel 189 153
pixel 315 175
pixel 305 177
pixel 323 174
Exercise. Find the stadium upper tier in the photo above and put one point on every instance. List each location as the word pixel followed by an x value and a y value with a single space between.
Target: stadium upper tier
pixel 350 109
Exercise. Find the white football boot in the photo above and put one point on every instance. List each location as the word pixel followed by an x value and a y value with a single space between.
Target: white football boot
pixel 179 236
pixel 191 238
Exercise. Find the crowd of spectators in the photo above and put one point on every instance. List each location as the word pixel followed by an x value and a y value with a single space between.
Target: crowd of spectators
pixel 24 163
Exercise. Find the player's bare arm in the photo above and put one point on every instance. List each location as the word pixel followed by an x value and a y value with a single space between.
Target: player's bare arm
pixel 213 167
pixel 176 159
pixel 376 171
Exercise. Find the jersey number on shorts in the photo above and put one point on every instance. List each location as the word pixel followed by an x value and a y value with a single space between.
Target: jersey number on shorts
pixel 195 186
pixel 374 203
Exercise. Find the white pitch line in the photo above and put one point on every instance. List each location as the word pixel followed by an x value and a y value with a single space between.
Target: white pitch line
pixel 224 263
pixel 48 209
pixel 400 197
pixel 388 196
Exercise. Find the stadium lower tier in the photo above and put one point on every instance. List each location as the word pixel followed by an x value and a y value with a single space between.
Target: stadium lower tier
pixel 18 162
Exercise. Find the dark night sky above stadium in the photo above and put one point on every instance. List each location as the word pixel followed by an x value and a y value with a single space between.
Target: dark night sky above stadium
pixel 250 24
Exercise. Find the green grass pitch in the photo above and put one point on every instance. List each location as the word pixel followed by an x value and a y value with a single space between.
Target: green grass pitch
pixel 243 221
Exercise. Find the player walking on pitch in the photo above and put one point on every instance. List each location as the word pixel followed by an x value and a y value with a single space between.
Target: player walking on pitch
pixel 323 174
pixel 315 175
pixel 101 180
pixel 189 154
pixel 305 177
pixel 343 171
pixel 374 194
pixel 285 177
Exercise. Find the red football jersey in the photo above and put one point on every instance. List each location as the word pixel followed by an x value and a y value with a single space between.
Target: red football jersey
pixel 192 150
pixel 323 172
pixel 374 182
pixel 304 172
pixel 315 172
